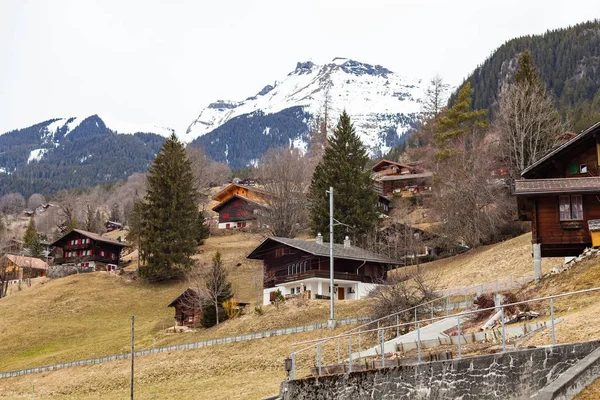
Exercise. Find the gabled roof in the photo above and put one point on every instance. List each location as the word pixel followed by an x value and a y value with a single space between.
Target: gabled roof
pixel 222 194
pixel 235 196
pixel 187 291
pixel 27 262
pixel 383 162
pixel 524 187
pixel 562 148
pixel 314 248
pixel 93 236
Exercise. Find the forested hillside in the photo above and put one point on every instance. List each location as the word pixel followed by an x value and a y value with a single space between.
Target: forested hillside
pixel 44 158
pixel 569 64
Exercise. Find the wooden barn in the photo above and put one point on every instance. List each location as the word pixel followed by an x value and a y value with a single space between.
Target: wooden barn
pixel 87 249
pixel 559 194
pixel 297 266
pixel 188 308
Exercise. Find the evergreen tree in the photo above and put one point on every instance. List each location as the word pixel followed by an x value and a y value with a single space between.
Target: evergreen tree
pixel 36 249
pixel 527 73
pixel 30 233
pixel 170 227
pixel 343 168
pixel 461 127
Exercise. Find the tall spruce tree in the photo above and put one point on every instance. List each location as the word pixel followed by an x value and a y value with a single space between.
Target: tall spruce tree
pixel 343 168
pixel 170 229
pixel 30 233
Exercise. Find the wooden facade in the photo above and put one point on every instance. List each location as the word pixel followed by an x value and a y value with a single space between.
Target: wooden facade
pixel 560 193
pixel 88 249
pixel 186 313
pixel 237 212
pixel 298 259
pixel 404 179
pixel 20 267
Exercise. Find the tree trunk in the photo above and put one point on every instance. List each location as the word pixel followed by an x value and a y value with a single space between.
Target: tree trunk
pixel 217 311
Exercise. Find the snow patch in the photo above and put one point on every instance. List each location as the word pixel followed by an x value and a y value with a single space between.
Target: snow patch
pixel 36 155
pixel 267 131
pixel 129 128
pixel 4 171
pixel 299 144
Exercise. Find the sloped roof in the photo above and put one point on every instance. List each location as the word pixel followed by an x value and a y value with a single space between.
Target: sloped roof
pixel 382 162
pixel 27 262
pixel 577 139
pixel 236 196
pixel 93 236
pixel 312 247
pixel 404 177
pixel 525 187
pixel 218 196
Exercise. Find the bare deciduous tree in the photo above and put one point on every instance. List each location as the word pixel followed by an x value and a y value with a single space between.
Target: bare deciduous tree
pixel 35 200
pixel 285 177
pixel 436 97
pixel 399 293
pixel 207 173
pixel 12 203
pixel 528 123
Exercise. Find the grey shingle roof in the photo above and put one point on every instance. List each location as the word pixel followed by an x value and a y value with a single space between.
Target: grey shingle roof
pixel 312 247
pixel 557 185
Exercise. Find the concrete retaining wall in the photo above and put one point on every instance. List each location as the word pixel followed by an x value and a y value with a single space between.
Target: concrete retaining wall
pixel 512 375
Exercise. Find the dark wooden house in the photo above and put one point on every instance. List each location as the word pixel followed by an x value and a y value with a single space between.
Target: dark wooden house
pixel 297 266
pixel 87 249
pixel 559 194
pixel 19 267
pixel 404 179
pixel 238 212
pixel 187 312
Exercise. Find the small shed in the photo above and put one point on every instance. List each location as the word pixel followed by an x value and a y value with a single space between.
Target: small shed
pixel 188 310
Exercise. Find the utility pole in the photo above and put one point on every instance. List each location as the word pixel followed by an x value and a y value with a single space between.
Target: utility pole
pixel 331 322
pixel 132 352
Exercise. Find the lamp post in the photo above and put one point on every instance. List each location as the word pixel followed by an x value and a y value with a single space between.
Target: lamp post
pixel 331 322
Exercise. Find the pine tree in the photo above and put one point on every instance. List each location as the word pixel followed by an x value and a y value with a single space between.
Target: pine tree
pixel 170 229
pixel 343 168
pixel 461 127
pixel 36 250
pixel 527 73
pixel 30 233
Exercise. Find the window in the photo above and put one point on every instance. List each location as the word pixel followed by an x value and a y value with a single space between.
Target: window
pixel 191 319
pixel 225 215
pixel 101 253
pixel 292 291
pixel 571 208
pixel 583 169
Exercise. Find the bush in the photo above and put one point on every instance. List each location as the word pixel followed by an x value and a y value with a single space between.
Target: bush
pixel 278 298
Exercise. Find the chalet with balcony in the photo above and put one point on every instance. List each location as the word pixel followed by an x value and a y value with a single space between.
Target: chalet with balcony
pixel 87 249
pixel 300 267
pixel 404 179
pixel 239 206
pixel 560 195
pixel 22 267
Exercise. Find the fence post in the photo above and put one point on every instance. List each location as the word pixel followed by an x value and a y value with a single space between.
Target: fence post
pixel 397 325
pixel 552 319
pixel 358 342
pixel 415 316
pixel 419 342
pixel 383 348
pixel 319 357
pixel 338 350
pixel 293 363
pixel 349 353
pixel 503 330
pixel 459 348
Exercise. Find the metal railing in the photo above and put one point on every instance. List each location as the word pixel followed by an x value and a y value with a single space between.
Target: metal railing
pixel 508 282
pixel 378 335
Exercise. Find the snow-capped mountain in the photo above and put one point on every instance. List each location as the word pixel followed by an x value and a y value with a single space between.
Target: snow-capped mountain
pixel 77 151
pixel 382 104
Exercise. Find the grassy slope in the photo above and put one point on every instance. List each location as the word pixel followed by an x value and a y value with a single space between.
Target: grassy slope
pixel 488 263
pixel 88 315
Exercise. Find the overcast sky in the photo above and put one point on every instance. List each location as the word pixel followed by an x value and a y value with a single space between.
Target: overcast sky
pixel 163 61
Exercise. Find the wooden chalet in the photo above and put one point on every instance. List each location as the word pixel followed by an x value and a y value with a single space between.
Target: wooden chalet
pixel 113 226
pixel 559 194
pixel 404 179
pixel 239 206
pixel 20 267
pixel 187 312
pixel 188 308
pixel 296 266
pixel 87 249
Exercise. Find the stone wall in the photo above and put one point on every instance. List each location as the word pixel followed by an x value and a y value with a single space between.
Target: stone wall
pixel 512 375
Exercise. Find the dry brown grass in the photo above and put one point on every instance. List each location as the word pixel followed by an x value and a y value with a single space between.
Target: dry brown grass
pixel 592 392
pixel 246 370
pixel 487 263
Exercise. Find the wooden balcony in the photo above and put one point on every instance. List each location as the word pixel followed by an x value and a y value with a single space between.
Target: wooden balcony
pixel 319 274
pixel 83 259
pixel 69 247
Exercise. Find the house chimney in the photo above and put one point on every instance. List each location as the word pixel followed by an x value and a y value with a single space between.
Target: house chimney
pixel 319 238
pixel 347 242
